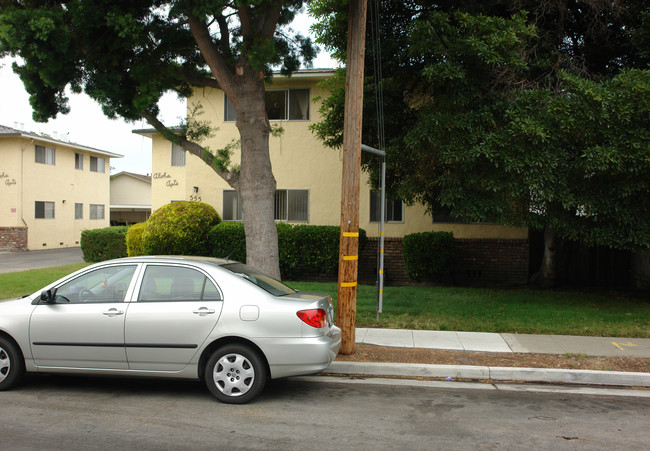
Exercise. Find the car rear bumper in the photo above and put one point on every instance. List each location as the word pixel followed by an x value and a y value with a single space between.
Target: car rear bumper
pixel 294 357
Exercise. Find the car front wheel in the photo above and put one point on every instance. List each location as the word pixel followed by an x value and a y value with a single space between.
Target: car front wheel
pixel 12 365
pixel 235 374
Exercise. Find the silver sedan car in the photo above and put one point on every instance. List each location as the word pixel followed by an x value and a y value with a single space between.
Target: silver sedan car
pixel 186 317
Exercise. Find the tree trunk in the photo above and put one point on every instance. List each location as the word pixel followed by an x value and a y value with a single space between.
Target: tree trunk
pixel 546 276
pixel 256 183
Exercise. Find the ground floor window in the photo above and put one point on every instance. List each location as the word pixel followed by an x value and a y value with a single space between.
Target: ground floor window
pixel 78 211
pixel 96 211
pixel 394 208
pixel 289 205
pixel 43 210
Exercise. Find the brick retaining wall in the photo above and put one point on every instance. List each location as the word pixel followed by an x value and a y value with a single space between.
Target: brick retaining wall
pixel 13 238
pixel 478 262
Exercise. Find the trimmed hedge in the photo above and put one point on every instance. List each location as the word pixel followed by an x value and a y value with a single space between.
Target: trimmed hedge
pixel 227 239
pixel 303 249
pixel 103 244
pixel 180 228
pixel 428 256
pixel 134 240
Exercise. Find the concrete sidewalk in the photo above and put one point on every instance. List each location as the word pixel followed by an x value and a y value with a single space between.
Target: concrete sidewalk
pixel 493 342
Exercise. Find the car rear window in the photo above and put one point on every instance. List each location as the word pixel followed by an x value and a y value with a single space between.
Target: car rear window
pixel 268 283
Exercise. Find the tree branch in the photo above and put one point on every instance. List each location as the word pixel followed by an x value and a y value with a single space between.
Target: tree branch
pixel 230 177
pixel 213 58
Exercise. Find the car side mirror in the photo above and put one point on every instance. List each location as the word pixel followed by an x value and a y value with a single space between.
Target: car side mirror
pixel 48 296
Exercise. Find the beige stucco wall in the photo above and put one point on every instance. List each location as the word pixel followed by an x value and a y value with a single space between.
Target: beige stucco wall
pixel 60 183
pixel 128 190
pixel 300 161
pixel 11 182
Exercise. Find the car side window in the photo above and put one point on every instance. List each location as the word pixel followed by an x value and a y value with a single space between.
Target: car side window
pixel 107 284
pixel 176 284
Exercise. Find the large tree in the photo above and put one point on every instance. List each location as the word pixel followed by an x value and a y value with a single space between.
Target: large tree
pixel 126 54
pixel 533 114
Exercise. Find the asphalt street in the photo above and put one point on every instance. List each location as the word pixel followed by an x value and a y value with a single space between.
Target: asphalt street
pixel 22 261
pixel 75 413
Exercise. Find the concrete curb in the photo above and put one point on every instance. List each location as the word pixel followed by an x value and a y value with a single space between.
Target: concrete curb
pixel 548 375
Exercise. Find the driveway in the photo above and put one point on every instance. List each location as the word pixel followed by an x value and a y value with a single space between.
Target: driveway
pixel 22 261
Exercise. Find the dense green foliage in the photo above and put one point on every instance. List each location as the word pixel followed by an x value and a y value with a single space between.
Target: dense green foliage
pixel 179 228
pixel 125 54
pixel 533 114
pixel 304 249
pixel 134 240
pixel 227 240
pixel 428 256
pixel 104 244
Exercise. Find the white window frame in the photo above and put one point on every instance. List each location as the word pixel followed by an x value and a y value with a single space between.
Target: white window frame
pixel 282 211
pixel 79 161
pixel 78 210
pixel 375 201
pixel 46 209
pixel 177 155
pixel 95 164
pixel 290 112
pixel 44 155
pixel 97 211
pixel 236 213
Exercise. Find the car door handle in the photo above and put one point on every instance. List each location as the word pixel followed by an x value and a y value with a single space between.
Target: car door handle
pixel 113 312
pixel 203 311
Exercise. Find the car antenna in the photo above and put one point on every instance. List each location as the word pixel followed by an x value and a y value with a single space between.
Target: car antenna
pixel 234 249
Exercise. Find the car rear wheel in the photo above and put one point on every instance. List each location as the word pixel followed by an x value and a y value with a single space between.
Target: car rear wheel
pixel 235 374
pixel 12 366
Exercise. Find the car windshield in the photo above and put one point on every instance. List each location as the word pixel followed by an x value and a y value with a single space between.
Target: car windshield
pixel 275 287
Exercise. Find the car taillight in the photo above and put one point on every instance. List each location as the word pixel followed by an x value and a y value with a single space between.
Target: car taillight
pixel 316 317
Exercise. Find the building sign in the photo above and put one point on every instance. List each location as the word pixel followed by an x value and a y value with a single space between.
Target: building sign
pixel 8 180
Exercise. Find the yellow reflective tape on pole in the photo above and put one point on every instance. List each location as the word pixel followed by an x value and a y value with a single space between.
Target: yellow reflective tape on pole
pixel 348 284
pixel 350 257
pixel 351 234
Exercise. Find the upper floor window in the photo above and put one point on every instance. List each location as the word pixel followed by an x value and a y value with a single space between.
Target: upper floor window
pixel 97 164
pixel 286 104
pixel 178 155
pixel 289 205
pixel 43 210
pixel 44 155
pixel 394 208
pixel 78 161
pixel 96 211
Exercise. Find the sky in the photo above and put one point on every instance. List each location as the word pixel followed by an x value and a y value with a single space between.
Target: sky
pixel 86 124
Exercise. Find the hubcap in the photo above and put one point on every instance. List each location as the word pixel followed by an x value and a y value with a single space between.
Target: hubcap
pixel 5 364
pixel 233 375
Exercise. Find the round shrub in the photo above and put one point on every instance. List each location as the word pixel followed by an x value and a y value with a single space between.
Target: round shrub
pixel 134 240
pixel 103 244
pixel 180 228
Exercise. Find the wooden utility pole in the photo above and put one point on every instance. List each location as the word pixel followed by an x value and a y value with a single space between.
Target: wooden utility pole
pixel 349 242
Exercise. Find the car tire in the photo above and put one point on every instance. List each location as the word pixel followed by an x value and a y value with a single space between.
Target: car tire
pixel 12 365
pixel 235 374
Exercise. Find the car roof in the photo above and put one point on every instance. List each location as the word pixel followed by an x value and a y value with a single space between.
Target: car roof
pixel 171 259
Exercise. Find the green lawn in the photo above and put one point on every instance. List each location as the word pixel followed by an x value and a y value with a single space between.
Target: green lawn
pixel 499 310
pixel 450 308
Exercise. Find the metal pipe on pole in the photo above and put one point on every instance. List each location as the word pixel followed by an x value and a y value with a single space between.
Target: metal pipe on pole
pixel 382 222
